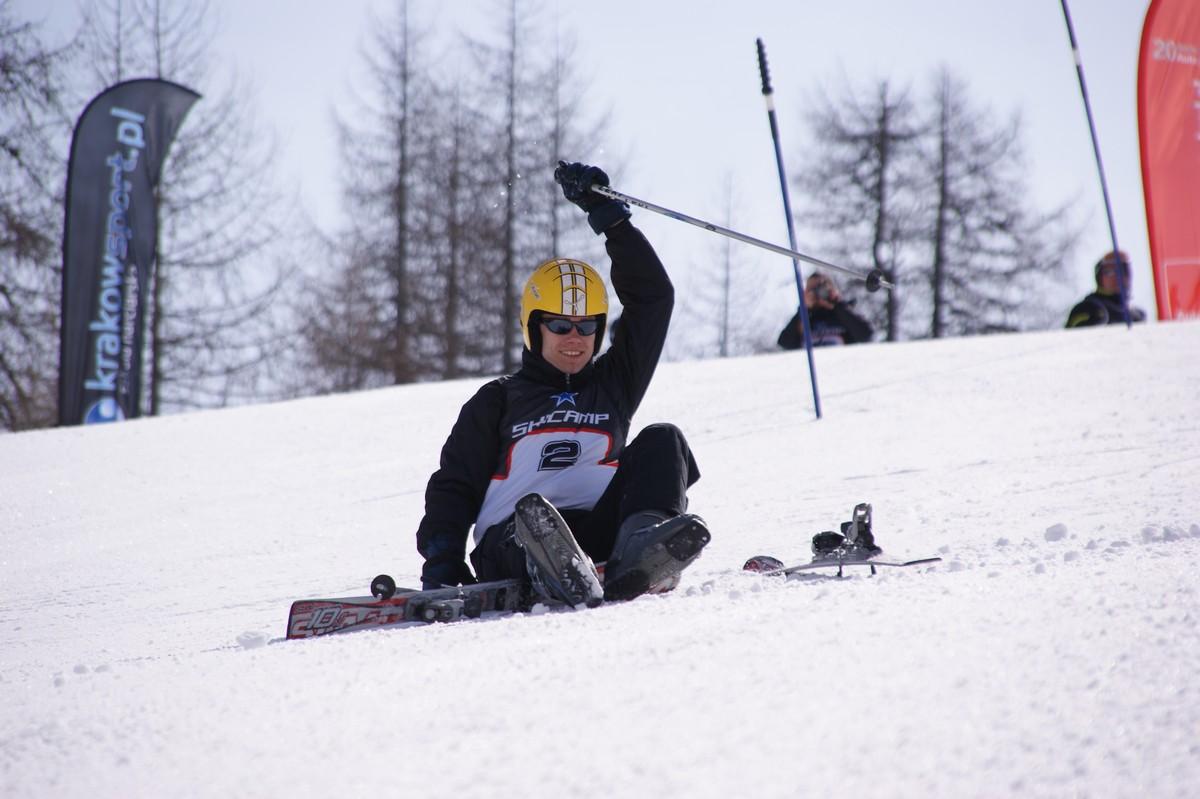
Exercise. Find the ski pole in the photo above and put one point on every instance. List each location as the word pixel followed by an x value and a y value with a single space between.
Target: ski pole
pixel 768 96
pixel 873 279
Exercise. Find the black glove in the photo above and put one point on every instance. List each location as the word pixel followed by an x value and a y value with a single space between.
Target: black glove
pixel 445 571
pixel 577 181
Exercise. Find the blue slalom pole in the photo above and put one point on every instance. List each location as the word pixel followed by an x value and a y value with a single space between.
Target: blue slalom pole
pixel 1087 107
pixel 769 97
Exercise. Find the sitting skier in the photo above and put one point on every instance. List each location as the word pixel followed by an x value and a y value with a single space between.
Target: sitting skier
pixel 538 460
pixel 1107 304
pixel 832 320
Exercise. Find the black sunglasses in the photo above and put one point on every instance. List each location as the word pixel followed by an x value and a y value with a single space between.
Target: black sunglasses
pixel 560 327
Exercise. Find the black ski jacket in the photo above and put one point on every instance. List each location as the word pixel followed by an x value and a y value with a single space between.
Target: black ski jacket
pixel 1102 309
pixel 839 325
pixel 542 430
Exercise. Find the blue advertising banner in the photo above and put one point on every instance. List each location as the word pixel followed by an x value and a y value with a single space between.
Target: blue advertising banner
pixel 110 231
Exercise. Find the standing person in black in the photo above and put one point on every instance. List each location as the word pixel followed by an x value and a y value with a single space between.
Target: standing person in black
pixel 1105 306
pixel 538 462
pixel 830 318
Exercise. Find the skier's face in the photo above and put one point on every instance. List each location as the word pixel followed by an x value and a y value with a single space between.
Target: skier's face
pixel 820 292
pixel 1109 280
pixel 568 350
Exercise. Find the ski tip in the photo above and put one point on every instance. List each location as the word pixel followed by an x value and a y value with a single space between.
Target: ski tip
pixel 762 563
pixel 383 587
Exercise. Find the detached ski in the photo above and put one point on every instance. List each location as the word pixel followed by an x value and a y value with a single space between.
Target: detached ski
pixel 770 566
pixel 312 617
pixel 854 546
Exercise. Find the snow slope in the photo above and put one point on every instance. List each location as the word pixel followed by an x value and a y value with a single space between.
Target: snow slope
pixel 146 571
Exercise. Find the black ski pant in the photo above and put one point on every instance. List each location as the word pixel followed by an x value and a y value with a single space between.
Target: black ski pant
pixel 653 474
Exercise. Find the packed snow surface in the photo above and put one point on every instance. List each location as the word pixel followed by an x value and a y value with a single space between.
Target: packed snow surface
pixel 148 567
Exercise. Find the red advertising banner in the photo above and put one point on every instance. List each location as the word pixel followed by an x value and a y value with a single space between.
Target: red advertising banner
pixel 1169 127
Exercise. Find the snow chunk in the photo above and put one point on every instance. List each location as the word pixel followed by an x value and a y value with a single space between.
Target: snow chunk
pixel 1152 533
pixel 251 639
pixel 1056 532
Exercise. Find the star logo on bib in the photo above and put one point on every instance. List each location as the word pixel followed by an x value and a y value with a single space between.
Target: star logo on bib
pixel 565 397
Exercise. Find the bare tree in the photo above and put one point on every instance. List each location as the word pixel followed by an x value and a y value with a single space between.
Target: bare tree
pixel 343 319
pixel 505 77
pixel 570 130
pixel 217 284
pixel 858 186
pixel 935 197
pixel 525 111
pixel 34 130
pixel 364 319
pixel 451 201
pixel 536 111
pixel 994 258
pixel 464 303
pixel 509 319
pixel 720 309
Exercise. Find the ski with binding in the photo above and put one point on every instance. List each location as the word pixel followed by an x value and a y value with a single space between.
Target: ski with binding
pixel 388 605
pixel 854 546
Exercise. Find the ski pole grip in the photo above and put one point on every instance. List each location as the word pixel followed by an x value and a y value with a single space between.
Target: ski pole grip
pixel 762 66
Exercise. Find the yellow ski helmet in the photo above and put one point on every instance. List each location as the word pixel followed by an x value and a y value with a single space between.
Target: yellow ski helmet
pixel 566 287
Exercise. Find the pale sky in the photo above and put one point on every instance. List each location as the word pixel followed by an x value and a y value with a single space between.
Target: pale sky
pixel 681 80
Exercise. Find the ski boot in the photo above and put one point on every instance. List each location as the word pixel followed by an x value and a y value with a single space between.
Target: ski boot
pixel 651 551
pixel 557 566
pixel 855 542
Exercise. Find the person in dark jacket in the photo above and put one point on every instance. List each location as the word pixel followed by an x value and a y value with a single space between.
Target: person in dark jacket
pixel 832 320
pixel 1105 305
pixel 538 463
